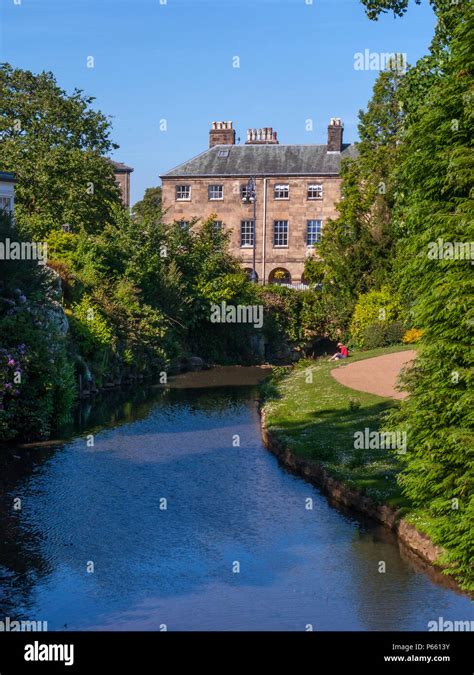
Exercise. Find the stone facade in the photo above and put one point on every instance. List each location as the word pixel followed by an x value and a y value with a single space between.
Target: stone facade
pixel 7 192
pixel 231 208
pixel 122 178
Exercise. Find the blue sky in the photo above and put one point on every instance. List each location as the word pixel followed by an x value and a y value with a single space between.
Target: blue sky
pixel 173 61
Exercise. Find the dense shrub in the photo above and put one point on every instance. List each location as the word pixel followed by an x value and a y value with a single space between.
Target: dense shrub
pixel 412 336
pixel 376 307
pixel 36 372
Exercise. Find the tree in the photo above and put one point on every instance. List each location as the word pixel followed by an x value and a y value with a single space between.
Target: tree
pixel 434 206
pixel 150 206
pixel 376 7
pixel 55 143
pixel 36 374
pixel 356 250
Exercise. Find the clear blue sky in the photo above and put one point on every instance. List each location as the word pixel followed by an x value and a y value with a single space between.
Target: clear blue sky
pixel 174 61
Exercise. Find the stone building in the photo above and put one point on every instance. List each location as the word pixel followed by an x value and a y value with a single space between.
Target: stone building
pixel 297 189
pixel 122 178
pixel 7 192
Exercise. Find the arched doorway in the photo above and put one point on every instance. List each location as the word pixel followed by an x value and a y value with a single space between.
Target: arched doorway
pixel 279 276
pixel 249 272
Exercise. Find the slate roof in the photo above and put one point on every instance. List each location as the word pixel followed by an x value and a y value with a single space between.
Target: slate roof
pixel 119 167
pixel 264 160
pixel 7 177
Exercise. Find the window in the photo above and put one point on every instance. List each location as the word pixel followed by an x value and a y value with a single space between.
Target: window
pixel 223 153
pixel 280 233
pixel 6 204
pixel 282 192
pixel 313 231
pixel 183 193
pixel 184 224
pixel 218 224
pixel 247 231
pixel 315 191
pixel 216 192
pixel 244 193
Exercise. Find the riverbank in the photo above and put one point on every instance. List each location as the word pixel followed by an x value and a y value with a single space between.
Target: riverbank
pixel 309 422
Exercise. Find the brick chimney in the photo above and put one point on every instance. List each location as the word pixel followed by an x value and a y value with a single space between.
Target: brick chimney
pixel 265 136
pixel 335 132
pixel 222 133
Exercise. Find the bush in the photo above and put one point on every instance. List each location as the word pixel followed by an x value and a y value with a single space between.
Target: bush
pixel 413 335
pixel 374 308
pixel 395 332
pixel 374 336
pixel 382 334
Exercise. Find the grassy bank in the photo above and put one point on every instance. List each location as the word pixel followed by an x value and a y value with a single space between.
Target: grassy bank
pixel 316 417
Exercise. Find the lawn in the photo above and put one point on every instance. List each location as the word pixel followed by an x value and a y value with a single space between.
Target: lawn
pixel 316 417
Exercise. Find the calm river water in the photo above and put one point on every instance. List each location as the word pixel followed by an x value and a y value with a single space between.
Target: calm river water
pixel 227 506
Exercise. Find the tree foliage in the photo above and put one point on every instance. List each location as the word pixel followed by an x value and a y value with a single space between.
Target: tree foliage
pixel 434 175
pixel 56 144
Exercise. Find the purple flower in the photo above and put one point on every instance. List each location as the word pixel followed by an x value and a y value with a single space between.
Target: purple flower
pixel 8 385
pixel 11 362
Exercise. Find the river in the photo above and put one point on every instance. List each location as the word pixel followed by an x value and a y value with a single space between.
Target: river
pixel 163 509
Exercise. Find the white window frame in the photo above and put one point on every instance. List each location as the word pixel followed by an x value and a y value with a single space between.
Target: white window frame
pixel 316 188
pixel 6 203
pixel 281 188
pixel 247 231
pixel 219 188
pixel 277 234
pixel 318 233
pixel 179 190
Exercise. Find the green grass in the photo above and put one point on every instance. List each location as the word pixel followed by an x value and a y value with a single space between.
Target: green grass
pixel 318 419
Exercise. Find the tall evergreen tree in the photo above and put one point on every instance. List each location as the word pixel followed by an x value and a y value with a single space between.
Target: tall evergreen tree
pixel 434 210
pixel 357 248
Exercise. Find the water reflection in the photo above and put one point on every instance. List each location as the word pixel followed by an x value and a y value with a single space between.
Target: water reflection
pixel 227 501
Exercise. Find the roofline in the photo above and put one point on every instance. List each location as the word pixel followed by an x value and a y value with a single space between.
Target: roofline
pixel 7 177
pixel 193 158
pixel 120 167
pixel 247 145
pixel 246 175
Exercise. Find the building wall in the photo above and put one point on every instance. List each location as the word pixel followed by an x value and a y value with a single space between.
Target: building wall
pixel 7 194
pixel 123 181
pixel 232 210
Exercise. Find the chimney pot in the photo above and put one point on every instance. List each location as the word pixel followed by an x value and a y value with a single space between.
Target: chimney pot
pixel 262 136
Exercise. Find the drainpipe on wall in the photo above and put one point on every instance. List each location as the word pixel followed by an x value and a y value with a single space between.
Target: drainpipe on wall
pixel 264 228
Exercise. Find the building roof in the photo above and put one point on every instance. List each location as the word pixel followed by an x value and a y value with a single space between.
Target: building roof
pixel 119 167
pixel 264 160
pixel 7 177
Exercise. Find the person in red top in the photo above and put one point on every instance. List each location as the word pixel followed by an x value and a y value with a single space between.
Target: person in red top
pixel 343 352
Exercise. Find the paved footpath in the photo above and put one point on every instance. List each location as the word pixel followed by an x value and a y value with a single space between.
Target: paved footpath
pixel 375 376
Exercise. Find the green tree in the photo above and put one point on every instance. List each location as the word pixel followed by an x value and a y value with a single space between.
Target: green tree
pixel 356 251
pixel 55 143
pixel 434 204
pixel 150 206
